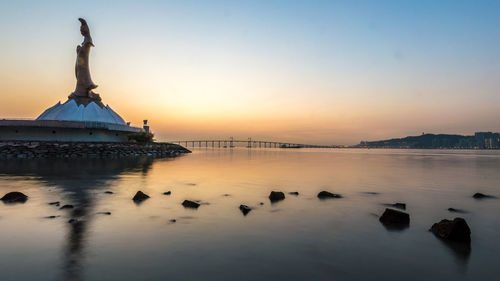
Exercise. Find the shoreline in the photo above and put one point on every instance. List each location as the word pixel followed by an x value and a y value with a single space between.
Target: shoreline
pixel 76 150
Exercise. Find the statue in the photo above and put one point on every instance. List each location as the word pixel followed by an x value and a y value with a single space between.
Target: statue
pixel 83 92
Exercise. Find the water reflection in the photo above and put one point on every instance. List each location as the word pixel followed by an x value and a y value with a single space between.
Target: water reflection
pixel 77 182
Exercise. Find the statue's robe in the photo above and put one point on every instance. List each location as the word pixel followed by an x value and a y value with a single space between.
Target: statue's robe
pixel 84 83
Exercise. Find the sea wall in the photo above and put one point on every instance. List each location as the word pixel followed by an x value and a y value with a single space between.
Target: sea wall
pixel 49 149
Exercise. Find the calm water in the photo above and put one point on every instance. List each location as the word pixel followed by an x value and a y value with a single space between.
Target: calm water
pixel 300 238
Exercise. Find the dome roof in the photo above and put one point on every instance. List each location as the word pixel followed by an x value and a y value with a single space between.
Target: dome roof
pixel 71 111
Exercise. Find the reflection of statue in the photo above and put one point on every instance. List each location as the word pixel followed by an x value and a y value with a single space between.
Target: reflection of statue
pixel 84 84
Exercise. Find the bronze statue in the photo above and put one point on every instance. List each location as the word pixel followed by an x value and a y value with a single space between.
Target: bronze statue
pixel 84 84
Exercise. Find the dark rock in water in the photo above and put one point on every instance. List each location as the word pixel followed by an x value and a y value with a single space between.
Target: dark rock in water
pixel 455 230
pixel 51 217
pixel 294 193
pixel 104 213
pixel 173 220
pixel 56 203
pixel 245 209
pixel 108 192
pixel 479 195
pixel 371 193
pixel 190 204
pixel 72 221
pixel 14 197
pixel 140 196
pixel 167 193
pixel 326 195
pixel 395 218
pixel 276 196
pixel 66 207
pixel 401 206
pixel 453 210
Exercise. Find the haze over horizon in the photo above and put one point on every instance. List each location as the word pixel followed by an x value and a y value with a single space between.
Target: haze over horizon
pixel 318 72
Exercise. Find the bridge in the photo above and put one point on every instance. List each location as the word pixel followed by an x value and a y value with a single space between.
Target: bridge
pixel 249 143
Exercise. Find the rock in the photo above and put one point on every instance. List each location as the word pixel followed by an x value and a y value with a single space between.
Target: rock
pixel 394 217
pixel 294 193
pixel 276 196
pixel 66 207
pixel 401 206
pixel 56 203
pixel 108 192
pixel 72 221
pixel 479 195
pixel 326 195
pixel 140 196
pixel 14 197
pixel 245 209
pixel 51 217
pixel 104 213
pixel 261 203
pixel 173 220
pixel 226 195
pixel 167 193
pixel 455 230
pixel 190 204
pixel 453 210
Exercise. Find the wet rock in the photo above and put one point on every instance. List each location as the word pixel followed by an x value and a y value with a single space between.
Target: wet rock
pixel 395 218
pixel 276 196
pixel 14 197
pixel 401 206
pixel 172 220
pixel 294 193
pixel 104 213
pixel 190 204
pixel 66 207
pixel 108 192
pixel 51 217
pixel 453 210
pixel 72 221
pixel 456 230
pixel 140 196
pixel 245 209
pixel 370 193
pixel 326 195
pixel 55 203
pixel 167 193
pixel 479 195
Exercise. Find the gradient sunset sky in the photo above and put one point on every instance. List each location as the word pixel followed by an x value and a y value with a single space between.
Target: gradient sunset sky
pixel 322 72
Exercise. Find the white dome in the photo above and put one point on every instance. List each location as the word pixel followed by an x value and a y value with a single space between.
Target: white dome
pixel 70 111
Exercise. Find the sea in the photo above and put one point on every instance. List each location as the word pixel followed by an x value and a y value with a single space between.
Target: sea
pixel 108 236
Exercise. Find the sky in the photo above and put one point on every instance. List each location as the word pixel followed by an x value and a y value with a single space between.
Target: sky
pixel 317 72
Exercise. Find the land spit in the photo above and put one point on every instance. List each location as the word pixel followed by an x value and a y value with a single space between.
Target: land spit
pixel 52 149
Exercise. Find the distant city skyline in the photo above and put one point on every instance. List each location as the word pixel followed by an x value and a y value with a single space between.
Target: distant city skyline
pixel 319 72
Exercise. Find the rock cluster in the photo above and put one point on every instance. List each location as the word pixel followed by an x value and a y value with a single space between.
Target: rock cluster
pixel 49 149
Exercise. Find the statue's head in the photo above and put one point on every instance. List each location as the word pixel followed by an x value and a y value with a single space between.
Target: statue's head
pixel 84 28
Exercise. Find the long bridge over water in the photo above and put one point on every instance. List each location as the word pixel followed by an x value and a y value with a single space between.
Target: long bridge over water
pixel 249 143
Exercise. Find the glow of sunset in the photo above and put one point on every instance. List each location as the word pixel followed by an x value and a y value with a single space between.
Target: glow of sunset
pixel 319 72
